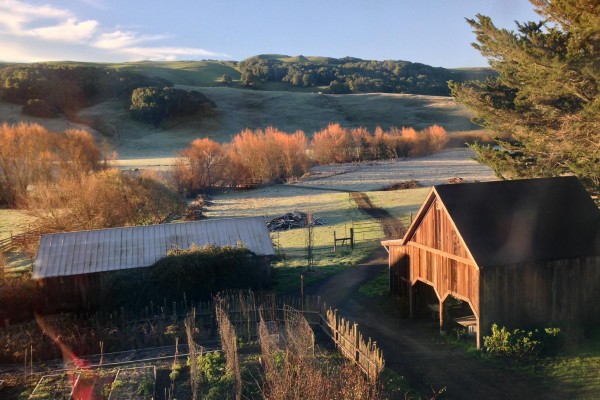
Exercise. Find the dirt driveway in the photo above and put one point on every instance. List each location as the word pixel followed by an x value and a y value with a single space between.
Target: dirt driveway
pixel 413 348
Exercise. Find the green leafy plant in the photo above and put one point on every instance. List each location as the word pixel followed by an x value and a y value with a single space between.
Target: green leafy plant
pixel 520 344
pixel 212 366
pixel 175 372
pixel 145 387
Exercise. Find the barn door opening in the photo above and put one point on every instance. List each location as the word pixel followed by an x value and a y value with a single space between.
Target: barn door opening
pixel 458 317
pixel 425 302
pixel 399 279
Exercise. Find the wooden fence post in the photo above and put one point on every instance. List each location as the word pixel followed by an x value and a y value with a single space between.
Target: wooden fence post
pixel 334 242
pixel 356 342
pixel 336 334
pixel 352 238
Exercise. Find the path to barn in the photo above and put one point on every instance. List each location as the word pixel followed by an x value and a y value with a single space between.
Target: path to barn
pixel 412 347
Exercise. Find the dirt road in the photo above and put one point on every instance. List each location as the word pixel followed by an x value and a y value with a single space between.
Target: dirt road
pixel 413 348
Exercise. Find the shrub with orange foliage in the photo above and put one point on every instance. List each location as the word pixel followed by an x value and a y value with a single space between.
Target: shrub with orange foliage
pixel 330 145
pixel 438 137
pixel 271 155
pixel 202 165
pixel 336 144
pixel 30 154
pixel 103 199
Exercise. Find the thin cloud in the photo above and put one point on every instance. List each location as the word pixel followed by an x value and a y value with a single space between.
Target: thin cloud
pixel 68 31
pixel 16 15
pixel 119 39
pixel 169 53
pixel 48 27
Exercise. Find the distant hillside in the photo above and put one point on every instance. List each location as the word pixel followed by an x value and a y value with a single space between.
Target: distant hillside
pixel 352 75
pixel 193 73
pixel 100 101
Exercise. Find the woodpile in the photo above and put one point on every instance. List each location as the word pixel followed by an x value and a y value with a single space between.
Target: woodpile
pixel 196 208
pixel 457 180
pixel 410 184
pixel 291 220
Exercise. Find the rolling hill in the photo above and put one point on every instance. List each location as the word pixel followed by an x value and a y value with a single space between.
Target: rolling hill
pixel 284 106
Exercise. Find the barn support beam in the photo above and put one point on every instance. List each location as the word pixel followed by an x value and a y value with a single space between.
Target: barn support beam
pixel 411 300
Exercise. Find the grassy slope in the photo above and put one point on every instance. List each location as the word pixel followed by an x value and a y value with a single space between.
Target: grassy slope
pixel 238 109
pixel 194 73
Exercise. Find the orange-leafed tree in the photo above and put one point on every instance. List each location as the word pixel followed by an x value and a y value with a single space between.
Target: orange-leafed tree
pixel 438 137
pixel 202 165
pixel 271 155
pixel 329 145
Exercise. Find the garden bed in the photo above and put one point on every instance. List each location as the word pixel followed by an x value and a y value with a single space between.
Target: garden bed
pixel 55 387
pixel 94 385
pixel 137 383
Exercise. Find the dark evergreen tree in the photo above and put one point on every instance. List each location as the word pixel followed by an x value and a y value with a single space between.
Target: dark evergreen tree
pixel 545 100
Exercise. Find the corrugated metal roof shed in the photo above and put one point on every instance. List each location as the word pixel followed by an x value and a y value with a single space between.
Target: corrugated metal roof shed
pixel 84 252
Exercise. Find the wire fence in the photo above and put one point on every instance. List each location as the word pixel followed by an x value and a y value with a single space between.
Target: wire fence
pixel 365 234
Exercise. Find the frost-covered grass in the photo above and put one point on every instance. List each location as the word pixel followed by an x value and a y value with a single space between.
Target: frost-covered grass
pixel 430 170
pixel 12 221
pixel 337 210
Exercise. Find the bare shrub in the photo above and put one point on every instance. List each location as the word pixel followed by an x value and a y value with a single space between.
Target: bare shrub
pixel 294 372
pixel 97 200
pixel 438 137
pixel 330 145
pixel 202 165
pixel 29 154
pixel 195 371
pixel 229 344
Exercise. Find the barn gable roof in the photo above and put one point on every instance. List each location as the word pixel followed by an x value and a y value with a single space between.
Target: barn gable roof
pixel 74 253
pixel 510 222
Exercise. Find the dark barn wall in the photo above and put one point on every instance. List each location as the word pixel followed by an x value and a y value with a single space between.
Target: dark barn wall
pixel 71 293
pixel 547 293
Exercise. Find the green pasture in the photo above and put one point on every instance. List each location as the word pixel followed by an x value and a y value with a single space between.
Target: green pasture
pixel 400 203
pixel 195 73
pixel 337 210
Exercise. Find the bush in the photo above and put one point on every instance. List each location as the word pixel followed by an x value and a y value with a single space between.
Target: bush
pixel 197 272
pixel 153 105
pixel 520 344
pixel 39 108
pixel 212 366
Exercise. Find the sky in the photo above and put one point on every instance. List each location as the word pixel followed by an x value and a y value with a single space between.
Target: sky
pixel 432 32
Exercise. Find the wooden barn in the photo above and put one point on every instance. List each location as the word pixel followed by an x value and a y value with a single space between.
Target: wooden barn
pixel 71 265
pixel 518 253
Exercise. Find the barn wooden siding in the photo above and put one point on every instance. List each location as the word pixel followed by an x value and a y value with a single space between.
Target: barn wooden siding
pixel 523 253
pixel 544 293
pixel 439 257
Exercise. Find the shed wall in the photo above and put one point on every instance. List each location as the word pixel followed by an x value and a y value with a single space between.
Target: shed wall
pixel 541 293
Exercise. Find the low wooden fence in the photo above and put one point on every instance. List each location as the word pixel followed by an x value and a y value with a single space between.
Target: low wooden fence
pixel 17 241
pixel 344 333
pixel 350 342
pixel 6 245
pixel 244 309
